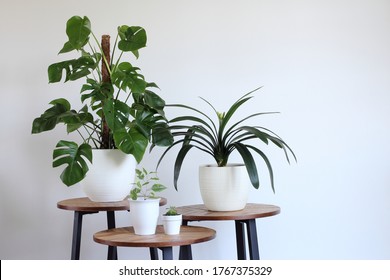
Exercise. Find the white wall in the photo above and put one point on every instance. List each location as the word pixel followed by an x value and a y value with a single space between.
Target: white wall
pixel 325 65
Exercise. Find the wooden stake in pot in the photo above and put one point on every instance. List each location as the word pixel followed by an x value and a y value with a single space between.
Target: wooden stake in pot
pixel 107 142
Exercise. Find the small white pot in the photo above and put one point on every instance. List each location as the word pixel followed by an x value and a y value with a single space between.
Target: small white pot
pixel 172 224
pixel 144 215
pixel 224 188
pixel 110 176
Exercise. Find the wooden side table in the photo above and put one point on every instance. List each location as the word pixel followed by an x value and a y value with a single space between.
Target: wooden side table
pixel 127 238
pixel 82 206
pixel 245 217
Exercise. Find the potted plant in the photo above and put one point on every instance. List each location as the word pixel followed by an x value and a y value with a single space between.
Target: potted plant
pixel 119 116
pixel 144 204
pixel 223 186
pixel 172 221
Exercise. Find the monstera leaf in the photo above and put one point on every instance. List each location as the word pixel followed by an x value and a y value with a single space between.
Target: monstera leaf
pixel 61 112
pixel 126 77
pixel 132 38
pixel 96 91
pixel 75 120
pixel 74 68
pixel 52 116
pixel 131 141
pixel 116 113
pixel 78 30
pixel 72 155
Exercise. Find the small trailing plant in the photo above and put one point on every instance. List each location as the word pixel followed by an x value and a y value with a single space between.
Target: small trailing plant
pixel 220 138
pixel 146 185
pixel 171 211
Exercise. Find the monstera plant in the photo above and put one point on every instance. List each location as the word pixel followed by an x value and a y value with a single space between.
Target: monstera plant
pixel 119 109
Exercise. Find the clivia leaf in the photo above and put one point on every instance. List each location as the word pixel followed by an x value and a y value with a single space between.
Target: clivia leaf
pixel 249 163
pixel 267 162
pixel 179 161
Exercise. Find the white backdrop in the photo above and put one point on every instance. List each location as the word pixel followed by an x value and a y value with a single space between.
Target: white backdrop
pixel 325 65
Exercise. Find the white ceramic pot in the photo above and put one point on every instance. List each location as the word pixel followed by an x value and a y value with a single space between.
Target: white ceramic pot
pixel 172 224
pixel 110 176
pixel 144 215
pixel 224 188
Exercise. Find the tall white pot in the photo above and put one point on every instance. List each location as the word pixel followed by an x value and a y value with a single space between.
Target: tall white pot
pixel 144 215
pixel 224 188
pixel 110 176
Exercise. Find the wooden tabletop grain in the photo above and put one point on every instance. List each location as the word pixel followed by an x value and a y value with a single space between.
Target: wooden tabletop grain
pixel 126 237
pixel 252 211
pixel 85 204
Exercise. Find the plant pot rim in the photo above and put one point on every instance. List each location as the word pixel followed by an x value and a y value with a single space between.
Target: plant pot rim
pixel 140 199
pixel 228 165
pixel 113 149
pixel 172 215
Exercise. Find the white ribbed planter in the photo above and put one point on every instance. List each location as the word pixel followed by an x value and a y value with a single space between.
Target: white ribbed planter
pixel 110 176
pixel 224 188
pixel 144 215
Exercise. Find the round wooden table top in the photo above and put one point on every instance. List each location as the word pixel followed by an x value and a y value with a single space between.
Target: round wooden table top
pixel 251 211
pixel 85 204
pixel 126 237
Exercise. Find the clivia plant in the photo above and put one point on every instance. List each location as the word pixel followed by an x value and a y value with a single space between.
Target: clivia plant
pixel 119 109
pixel 219 138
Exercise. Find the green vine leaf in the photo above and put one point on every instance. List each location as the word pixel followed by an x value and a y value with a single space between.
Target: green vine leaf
pixel 158 187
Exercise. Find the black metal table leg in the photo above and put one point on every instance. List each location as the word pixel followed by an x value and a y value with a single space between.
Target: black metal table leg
pixel 76 238
pixel 240 240
pixel 153 253
pixel 253 243
pixel 112 253
pixel 252 240
pixel 167 253
pixel 185 252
